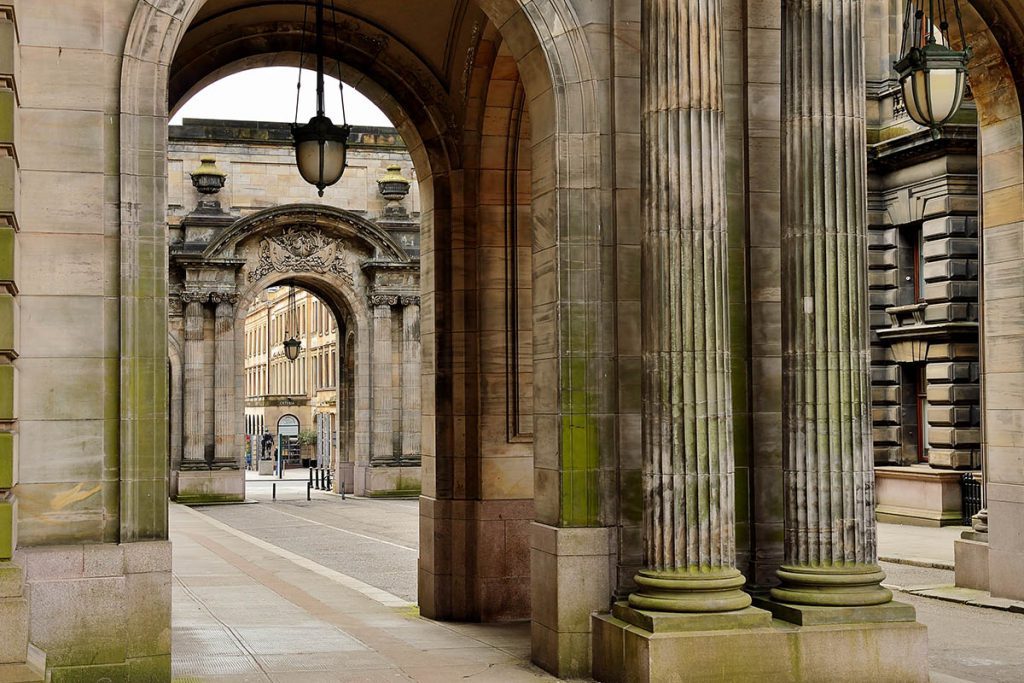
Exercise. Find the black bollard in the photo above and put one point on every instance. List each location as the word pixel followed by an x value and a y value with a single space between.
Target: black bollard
pixel 273 491
pixel 309 487
pixel 310 476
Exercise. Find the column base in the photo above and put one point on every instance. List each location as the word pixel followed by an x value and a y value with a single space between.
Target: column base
pixel 713 590
pixel 680 648
pixel 852 585
pixel 817 615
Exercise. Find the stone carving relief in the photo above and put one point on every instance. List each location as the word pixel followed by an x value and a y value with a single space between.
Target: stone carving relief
pixel 301 250
pixel 383 300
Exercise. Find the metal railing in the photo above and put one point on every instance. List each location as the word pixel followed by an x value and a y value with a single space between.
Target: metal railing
pixel 970 497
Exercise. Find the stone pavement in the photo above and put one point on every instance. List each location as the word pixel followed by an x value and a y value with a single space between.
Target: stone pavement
pixel 918 545
pixel 323 591
pixel 247 611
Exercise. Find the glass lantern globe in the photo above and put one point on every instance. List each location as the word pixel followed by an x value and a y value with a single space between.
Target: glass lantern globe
pixel 291 348
pixel 933 79
pixel 321 151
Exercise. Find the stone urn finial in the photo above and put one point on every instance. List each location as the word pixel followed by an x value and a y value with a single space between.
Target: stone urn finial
pixel 393 187
pixel 208 179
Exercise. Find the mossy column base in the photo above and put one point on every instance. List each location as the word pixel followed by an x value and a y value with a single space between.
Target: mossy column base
pixel 832 586
pixel 715 590
pixel 749 646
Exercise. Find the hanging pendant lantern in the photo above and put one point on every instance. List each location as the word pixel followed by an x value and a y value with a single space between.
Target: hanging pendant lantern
pixel 292 345
pixel 321 148
pixel 933 76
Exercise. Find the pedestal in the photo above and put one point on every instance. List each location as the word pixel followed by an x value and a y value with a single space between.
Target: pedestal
pixel 199 486
pixel 748 645
pixel 918 495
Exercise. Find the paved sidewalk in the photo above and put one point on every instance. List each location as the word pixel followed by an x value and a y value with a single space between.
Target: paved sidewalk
pixel 247 611
pixel 918 545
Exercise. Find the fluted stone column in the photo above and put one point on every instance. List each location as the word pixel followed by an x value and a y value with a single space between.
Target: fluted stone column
pixel 224 377
pixel 382 448
pixel 689 517
pixel 195 429
pixel 830 553
pixel 411 399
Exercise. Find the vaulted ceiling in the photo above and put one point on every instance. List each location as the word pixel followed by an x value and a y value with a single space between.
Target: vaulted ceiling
pixel 425 42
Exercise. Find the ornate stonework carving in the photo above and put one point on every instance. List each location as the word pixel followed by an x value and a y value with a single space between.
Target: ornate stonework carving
pixel 224 298
pixel 175 308
pixel 191 296
pixel 300 250
pixel 383 300
pixel 410 300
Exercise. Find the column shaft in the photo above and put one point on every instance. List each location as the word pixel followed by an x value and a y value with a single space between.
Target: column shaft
pixel 224 381
pixel 411 399
pixel 689 516
pixel 830 555
pixel 382 449
pixel 194 409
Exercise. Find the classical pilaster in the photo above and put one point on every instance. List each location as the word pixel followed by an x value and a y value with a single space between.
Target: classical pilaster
pixel 830 554
pixel 411 399
pixel 382 450
pixel 224 377
pixel 689 543
pixel 193 371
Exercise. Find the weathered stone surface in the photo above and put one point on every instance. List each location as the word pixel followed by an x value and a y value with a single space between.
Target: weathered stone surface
pixel 828 459
pixel 689 491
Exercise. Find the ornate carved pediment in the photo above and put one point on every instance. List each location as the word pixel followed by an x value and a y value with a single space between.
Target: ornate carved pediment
pixel 301 250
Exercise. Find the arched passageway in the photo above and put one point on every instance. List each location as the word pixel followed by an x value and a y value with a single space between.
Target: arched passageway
pixel 518 353
pixel 369 286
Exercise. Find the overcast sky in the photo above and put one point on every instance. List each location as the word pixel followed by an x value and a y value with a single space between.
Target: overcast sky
pixel 268 94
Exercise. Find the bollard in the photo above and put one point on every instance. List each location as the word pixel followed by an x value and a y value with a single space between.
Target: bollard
pixel 309 487
pixel 273 491
pixel 310 476
pixel 343 488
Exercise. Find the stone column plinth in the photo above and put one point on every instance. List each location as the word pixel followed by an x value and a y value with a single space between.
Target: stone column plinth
pixel 830 552
pixel 411 399
pixel 224 378
pixel 382 449
pixel 195 429
pixel 689 543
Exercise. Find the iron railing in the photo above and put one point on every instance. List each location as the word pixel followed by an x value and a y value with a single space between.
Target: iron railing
pixel 970 497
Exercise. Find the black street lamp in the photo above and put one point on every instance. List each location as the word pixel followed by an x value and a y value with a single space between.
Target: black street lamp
pixel 933 76
pixel 321 148
pixel 292 345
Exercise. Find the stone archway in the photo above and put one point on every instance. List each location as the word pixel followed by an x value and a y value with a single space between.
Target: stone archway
pixel 560 57
pixel 357 269
pixel 992 559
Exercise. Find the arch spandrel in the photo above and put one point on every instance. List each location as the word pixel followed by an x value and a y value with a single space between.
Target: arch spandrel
pixel 354 231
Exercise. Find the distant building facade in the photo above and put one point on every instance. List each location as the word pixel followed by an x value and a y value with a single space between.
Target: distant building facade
pixel 923 281
pixel 284 397
pixel 245 230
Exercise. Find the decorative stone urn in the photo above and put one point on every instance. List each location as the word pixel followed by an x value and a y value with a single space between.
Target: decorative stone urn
pixel 208 179
pixel 393 187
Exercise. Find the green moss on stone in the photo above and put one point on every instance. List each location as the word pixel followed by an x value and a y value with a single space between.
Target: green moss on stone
pixel 7 529
pixel 7 378
pixel 207 499
pixel 7 243
pixel 6 460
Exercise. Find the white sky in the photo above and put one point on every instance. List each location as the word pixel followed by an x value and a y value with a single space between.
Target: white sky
pixel 268 94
